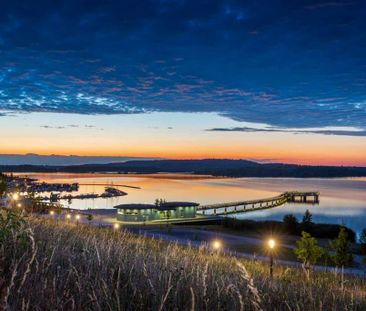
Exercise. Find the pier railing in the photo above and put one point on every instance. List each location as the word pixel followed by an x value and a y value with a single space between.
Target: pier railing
pixel 261 204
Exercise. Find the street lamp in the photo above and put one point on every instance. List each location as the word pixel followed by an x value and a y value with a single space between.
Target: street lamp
pixel 77 217
pixel 116 226
pixel 15 196
pixel 68 216
pixel 271 246
pixel 52 213
pixel 216 245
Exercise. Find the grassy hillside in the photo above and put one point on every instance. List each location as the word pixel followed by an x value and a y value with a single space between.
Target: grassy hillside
pixel 45 265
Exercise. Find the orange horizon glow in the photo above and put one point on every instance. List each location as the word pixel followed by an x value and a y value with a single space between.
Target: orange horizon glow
pixel 313 160
pixel 148 135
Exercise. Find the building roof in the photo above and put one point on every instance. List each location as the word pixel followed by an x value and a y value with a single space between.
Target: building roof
pixel 177 204
pixel 135 206
pixel 162 206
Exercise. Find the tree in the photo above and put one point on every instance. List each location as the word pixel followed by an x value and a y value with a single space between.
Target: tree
pixel 308 218
pixel 307 221
pixel 89 218
pixel 3 188
pixel 363 242
pixel 308 251
pixel 290 223
pixel 341 247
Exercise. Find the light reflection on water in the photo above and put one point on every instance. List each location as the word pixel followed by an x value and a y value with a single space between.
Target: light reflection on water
pixel 342 201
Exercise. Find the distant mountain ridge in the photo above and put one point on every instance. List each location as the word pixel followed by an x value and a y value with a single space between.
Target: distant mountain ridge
pixel 215 167
pixel 54 159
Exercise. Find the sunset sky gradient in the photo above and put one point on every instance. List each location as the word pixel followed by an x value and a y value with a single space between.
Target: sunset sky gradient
pixel 273 81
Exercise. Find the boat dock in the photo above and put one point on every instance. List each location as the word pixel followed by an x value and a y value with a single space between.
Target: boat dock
pixel 261 204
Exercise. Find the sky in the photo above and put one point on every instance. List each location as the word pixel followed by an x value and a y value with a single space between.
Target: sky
pixel 273 81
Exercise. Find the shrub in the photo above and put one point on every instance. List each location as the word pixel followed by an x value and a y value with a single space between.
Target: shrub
pixel 341 247
pixel 308 251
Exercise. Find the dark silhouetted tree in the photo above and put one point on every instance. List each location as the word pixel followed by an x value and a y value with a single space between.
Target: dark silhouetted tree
pixel 3 188
pixel 290 224
pixel 363 242
pixel 307 221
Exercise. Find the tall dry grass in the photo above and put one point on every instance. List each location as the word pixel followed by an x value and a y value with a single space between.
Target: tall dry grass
pixel 55 266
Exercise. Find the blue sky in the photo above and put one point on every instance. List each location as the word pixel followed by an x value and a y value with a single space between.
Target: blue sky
pixel 285 64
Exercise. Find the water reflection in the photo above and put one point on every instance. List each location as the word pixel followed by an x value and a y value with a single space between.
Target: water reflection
pixel 342 201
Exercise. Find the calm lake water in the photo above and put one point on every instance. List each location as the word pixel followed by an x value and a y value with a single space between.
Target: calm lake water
pixel 342 201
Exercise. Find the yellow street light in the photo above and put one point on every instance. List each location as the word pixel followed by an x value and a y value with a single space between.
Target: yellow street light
pixel 19 205
pixel 271 243
pixel 216 245
pixel 116 226
pixel 52 213
pixel 68 216
pixel 15 196
pixel 77 217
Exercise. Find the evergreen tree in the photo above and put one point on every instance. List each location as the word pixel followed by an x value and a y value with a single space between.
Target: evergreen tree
pixel 290 223
pixel 363 242
pixel 89 218
pixel 308 251
pixel 3 188
pixel 307 221
pixel 341 247
pixel 308 218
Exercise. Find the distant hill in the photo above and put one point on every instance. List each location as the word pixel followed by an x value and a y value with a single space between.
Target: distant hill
pixel 216 167
pixel 54 159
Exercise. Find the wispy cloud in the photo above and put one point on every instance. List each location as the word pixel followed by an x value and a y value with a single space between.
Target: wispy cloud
pixel 357 132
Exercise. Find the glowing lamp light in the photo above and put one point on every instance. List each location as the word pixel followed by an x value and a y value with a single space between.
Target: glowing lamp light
pixel 19 205
pixel 52 213
pixel 15 196
pixel 77 217
pixel 116 226
pixel 68 216
pixel 271 243
pixel 216 244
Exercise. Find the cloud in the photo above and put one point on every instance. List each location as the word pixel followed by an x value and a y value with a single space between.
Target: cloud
pixel 330 4
pixel 61 127
pixel 357 133
pixel 278 64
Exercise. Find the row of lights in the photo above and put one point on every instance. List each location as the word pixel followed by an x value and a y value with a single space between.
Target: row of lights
pixel 116 226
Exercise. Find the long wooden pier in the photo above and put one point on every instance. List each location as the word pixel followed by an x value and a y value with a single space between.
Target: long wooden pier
pixel 255 205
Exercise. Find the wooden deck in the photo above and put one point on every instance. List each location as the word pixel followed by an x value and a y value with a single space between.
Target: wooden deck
pixel 261 204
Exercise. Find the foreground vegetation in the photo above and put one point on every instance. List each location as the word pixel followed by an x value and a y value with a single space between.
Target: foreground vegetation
pixel 48 265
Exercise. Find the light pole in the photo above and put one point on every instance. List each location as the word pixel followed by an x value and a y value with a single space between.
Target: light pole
pixel 216 245
pixel 271 245
pixel 14 199
pixel 15 196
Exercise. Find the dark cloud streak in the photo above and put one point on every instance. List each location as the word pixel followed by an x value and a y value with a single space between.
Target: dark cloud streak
pixel 358 133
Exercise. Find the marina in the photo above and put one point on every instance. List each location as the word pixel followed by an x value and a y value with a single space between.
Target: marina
pixel 342 201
